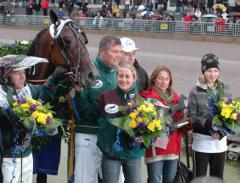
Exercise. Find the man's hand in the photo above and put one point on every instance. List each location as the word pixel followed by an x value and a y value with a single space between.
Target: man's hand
pixel 59 73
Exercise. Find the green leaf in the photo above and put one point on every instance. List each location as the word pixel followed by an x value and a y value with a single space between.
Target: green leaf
pixel 233 125
pixel 28 122
pixel 122 123
pixel 217 120
pixel 147 140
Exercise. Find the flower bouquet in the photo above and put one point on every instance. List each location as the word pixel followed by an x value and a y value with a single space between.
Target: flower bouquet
pixel 228 115
pixel 19 47
pixel 141 118
pixel 36 117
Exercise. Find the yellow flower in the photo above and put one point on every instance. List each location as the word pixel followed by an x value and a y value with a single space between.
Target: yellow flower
pixel 157 122
pixel 35 114
pixel 146 107
pixel 142 108
pixel 42 118
pixel 40 108
pixel 150 107
pixel 234 116
pixel 31 101
pixel 25 106
pixel 226 112
pixel 15 104
pixel 151 127
pixel 139 119
pixel 146 119
pixel 61 99
pixel 49 114
pixel 133 115
pixel 133 124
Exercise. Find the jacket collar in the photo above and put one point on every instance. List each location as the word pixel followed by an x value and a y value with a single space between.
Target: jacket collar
pixel 127 95
pixel 101 65
pixel 201 84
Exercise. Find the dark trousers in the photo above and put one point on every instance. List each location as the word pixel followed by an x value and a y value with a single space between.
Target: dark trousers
pixel 216 162
pixel 41 178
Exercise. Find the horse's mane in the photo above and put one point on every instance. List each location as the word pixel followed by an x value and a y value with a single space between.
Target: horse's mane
pixel 33 48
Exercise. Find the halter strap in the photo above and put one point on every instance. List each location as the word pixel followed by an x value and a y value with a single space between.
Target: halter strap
pixel 36 81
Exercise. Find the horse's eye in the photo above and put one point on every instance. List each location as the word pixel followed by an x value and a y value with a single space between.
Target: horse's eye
pixel 67 42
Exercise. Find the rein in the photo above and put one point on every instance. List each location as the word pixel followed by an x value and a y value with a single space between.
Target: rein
pixel 80 53
pixel 75 70
pixel 36 81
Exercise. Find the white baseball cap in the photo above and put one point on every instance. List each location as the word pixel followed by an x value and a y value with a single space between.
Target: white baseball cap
pixel 128 44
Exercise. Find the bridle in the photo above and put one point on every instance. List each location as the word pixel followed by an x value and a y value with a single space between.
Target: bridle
pixel 64 50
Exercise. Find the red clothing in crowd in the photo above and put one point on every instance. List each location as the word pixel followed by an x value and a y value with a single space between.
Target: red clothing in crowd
pixel 187 19
pixel 44 4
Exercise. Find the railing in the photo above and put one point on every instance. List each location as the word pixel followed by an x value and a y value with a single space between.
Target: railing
pixel 135 25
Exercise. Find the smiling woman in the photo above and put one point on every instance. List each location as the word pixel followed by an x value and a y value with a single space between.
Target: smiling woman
pixel 126 76
pixel 209 144
pixel 119 148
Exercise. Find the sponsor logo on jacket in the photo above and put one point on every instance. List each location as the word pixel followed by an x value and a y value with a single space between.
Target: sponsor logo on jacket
pixel 111 108
pixel 98 84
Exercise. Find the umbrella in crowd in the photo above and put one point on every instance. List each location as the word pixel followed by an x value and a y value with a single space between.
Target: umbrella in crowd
pixel 219 6
pixel 168 15
pixel 141 8
pixel 6 3
pixel 146 13
pixel 209 16
pixel 234 14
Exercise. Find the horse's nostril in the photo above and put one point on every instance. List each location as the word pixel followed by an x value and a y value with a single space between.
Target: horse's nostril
pixel 91 77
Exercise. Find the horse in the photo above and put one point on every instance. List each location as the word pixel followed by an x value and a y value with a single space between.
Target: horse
pixel 62 44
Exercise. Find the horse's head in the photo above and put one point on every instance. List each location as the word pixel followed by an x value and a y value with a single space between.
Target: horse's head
pixel 68 49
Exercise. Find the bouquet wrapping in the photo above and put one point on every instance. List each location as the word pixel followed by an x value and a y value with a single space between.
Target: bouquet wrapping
pixel 227 115
pixel 142 118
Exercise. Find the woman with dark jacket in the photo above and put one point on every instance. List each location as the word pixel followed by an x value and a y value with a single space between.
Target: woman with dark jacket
pixel 162 161
pixel 209 146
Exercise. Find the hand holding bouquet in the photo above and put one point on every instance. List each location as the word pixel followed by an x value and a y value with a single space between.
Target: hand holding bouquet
pixel 228 115
pixel 141 118
pixel 36 117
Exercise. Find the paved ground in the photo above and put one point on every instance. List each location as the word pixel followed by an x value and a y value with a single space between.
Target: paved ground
pixel 183 57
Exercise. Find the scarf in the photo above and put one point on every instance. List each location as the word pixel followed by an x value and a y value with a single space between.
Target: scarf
pixel 167 97
pixel 216 93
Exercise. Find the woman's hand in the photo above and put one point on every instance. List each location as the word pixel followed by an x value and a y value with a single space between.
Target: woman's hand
pixel 215 135
pixel 139 139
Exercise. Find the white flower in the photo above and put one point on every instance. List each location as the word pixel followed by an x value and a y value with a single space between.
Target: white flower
pixel 24 42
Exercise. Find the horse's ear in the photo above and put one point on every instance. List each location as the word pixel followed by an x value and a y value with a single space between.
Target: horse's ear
pixel 85 36
pixel 72 16
pixel 54 17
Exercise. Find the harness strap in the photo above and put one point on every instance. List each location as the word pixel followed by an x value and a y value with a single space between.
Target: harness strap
pixel 36 81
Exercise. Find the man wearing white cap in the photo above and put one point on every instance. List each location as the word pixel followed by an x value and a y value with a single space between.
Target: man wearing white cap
pixel 129 55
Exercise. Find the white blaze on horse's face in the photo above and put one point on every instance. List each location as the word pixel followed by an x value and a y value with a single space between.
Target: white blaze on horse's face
pixel 55 33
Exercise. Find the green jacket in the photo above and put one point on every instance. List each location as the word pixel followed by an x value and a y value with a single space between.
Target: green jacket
pixel 88 111
pixel 109 134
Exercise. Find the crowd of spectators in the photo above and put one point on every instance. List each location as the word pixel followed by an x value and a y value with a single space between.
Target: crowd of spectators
pixel 190 10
